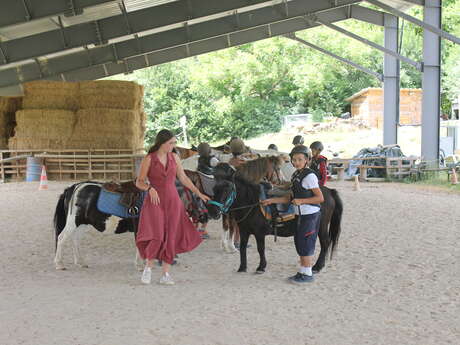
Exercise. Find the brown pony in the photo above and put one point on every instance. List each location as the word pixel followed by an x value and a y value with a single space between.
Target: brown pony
pixel 185 153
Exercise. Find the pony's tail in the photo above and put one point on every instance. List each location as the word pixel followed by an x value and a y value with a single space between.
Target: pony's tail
pixel 336 219
pixel 60 214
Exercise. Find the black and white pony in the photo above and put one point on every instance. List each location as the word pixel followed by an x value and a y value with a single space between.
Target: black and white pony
pixel 76 212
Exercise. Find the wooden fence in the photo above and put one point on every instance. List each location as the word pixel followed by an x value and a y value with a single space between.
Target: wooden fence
pixel 72 164
pixel 395 167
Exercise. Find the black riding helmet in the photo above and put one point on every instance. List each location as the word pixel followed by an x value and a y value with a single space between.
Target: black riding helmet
pixel 204 149
pixel 298 140
pixel 301 149
pixel 317 145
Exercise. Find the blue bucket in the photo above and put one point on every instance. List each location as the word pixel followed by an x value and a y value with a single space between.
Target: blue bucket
pixel 33 169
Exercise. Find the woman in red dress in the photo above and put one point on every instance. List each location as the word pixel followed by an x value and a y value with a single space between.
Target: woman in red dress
pixel 164 227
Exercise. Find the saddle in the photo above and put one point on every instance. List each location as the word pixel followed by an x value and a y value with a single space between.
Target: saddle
pixel 278 213
pixel 278 217
pixel 130 195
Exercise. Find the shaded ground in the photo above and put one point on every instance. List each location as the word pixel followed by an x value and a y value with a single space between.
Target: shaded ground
pixel 395 279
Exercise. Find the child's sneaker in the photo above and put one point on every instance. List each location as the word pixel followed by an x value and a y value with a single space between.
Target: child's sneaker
pixel 147 275
pixel 166 279
pixel 294 276
pixel 302 278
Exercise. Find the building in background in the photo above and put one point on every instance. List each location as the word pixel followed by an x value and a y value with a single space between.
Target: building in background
pixel 367 105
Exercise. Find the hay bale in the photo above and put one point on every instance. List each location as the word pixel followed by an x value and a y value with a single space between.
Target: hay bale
pixel 107 129
pixel 45 124
pixel 112 94
pixel 50 95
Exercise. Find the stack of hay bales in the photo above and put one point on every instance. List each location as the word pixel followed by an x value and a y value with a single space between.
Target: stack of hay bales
pixel 47 118
pixel 8 107
pixel 110 115
pixel 86 115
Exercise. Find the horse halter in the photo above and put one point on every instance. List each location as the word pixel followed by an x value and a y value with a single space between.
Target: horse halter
pixel 225 207
pixel 274 172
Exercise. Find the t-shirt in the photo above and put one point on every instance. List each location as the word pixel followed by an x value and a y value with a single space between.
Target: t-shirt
pixel 309 182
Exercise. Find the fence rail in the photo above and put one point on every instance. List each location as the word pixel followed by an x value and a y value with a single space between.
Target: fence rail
pixel 73 164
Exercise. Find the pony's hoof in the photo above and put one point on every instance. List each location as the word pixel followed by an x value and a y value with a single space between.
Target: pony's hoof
pixel 60 267
pixel 260 271
pixel 241 269
pixel 316 269
pixel 83 265
pixel 230 250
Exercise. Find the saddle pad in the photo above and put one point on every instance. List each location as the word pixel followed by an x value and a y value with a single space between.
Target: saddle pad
pixel 208 183
pixel 109 202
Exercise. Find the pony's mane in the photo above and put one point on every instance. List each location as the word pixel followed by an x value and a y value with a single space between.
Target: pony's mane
pixel 256 169
pixel 252 190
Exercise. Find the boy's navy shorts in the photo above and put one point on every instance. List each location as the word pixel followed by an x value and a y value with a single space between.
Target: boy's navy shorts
pixel 306 233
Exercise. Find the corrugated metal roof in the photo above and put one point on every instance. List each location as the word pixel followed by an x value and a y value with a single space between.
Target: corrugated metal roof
pixel 108 10
pixel 89 14
pixel 114 8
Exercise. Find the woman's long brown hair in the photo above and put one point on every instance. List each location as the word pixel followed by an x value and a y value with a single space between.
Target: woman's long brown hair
pixel 163 136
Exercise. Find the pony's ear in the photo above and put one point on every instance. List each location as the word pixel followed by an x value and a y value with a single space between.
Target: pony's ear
pixel 223 171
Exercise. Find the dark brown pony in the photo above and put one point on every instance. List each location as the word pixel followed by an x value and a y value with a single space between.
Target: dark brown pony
pixel 246 212
pixel 261 169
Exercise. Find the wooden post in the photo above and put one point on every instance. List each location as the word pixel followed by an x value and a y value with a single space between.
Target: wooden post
pixel 388 169
pixel 3 168
pixel 90 166
pixel 340 173
pixel 399 169
pixel 119 167
pixel 362 173
pixel 105 167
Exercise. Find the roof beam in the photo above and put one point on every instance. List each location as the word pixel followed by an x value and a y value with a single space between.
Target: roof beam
pixel 416 2
pixel 426 26
pixel 367 15
pixel 184 36
pixel 379 76
pixel 13 12
pixel 103 30
pixel 223 41
pixel 416 64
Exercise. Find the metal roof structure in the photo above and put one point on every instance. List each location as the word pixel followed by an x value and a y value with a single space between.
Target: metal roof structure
pixel 74 40
pixel 91 39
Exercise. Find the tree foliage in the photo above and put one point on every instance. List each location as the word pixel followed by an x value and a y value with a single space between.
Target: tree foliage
pixel 246 90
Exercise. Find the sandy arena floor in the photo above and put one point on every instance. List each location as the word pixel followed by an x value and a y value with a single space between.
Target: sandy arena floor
pixel 394 280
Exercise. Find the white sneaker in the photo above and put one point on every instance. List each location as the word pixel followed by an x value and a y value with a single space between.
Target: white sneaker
pixel 166 279
pixel 147 275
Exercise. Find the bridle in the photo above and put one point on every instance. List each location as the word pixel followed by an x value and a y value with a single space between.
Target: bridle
pixel 274 171
pixel 226 206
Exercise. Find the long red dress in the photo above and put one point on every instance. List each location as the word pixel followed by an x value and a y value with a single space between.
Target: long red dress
pixel 165 229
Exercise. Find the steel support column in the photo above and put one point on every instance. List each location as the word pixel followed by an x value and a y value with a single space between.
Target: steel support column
pixel 431 83
pixel 391 69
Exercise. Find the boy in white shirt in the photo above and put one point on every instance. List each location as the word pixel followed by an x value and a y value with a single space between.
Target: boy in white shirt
pixel 307 197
